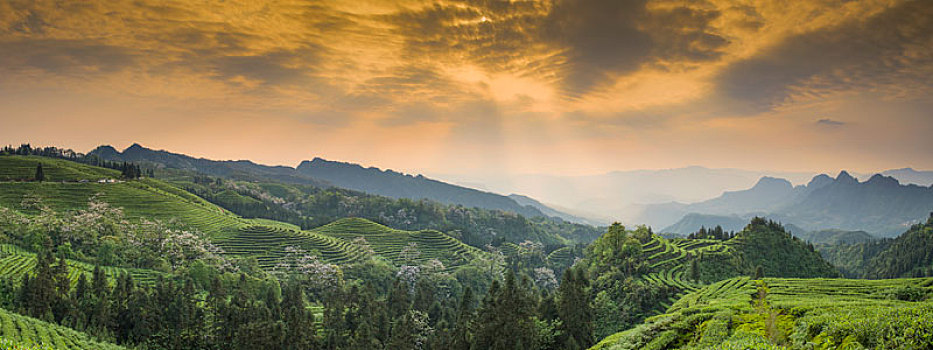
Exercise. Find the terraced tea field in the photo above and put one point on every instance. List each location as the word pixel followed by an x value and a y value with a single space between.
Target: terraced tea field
pixel 334 243
pixel 139 198
pixel 23 168
pixel 26 331
pixel 800 313
pixel 15 262
pixel 268 243
pixel 389 243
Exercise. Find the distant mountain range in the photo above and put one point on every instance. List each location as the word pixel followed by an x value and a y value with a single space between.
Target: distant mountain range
pixel 911 176
pixel 324 173
pixel 397 185
pixel 622 195
pixel 880 205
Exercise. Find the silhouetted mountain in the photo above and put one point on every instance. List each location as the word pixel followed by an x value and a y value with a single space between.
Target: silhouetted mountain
pixel 911 176
pixel 237 169
pixel 397 185
pixel 622 195
pixel 323 173
pixel 880 205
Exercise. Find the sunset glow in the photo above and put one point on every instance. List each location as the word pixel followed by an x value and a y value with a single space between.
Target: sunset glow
pixel 479 87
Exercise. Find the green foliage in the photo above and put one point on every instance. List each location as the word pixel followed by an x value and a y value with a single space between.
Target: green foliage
pixel 19 332
pixel 907 256
pixel 790 313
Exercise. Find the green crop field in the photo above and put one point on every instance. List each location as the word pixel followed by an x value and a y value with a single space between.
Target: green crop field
pixel 267 241
pixel 23 168
pixel 263 239
pixel 667 260
pixel 22 332
pixel 146 198
pixel 798 313
pixel 15 262
pixel 388 242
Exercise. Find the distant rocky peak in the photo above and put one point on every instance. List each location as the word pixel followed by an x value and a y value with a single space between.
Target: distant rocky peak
pixel 819 181
pixel 879 179
pixel 767 182
pixel 844 177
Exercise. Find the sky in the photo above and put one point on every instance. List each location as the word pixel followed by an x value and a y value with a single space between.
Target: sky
pixel 566 87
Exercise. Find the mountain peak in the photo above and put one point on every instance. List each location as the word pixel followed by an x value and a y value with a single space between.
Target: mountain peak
pixel 135 147
pixel 881 179
pixel 773 182
pixel 844 177
pixel 819 181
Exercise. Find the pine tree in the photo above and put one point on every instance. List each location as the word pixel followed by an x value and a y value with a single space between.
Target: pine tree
pixel 506 319
pixel 575 311
pixel 40 174
pixel 759 273
pixel 462 337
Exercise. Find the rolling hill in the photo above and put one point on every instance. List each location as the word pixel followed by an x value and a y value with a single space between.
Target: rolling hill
pixel 398 185
pixel 71 184
pixel 265 240
pixel 334 243
pixel 23 332
pixel 779 313
pixel 761 243
pixel 323 173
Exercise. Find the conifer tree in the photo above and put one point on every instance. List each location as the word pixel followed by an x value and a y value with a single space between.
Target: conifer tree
pixel 462 337
pixel 575 311
pixel 40 174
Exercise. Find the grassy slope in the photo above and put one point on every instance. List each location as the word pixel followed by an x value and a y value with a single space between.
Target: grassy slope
pixel 263 239
pixel 15 262
pixel 818 313
pixel 140 198
pixel 669 259
pixel 333 242
pixel 27 331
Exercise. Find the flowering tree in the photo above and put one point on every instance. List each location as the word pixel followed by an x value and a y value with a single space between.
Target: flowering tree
pixel 545 278
pixel 181 247
pixel 410 253
pixel 320 277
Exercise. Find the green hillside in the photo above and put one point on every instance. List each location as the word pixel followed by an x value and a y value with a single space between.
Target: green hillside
pixel 638 274
pixel 334 243
pixel 23 168
pixel 15 262
pixel 22 332
pixel 791 313
pixel 143 198
pixel 909 255
pixel 759 244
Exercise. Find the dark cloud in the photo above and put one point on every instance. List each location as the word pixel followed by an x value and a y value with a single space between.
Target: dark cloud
pixel 505 41
pixel 279 67
pixel 580 43
pixel 65 57
pixel 830 122
pixel 867 51
pixel 32 24
pixel 600 37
